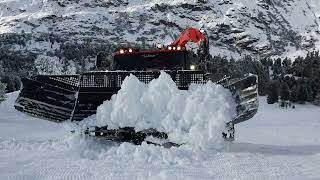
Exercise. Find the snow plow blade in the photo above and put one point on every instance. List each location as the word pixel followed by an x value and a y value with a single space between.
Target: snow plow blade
pixel 48 97
pixel 63 97
pixel 245 92
pixel 75 97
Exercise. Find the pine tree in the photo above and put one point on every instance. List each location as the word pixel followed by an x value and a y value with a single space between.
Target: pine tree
pixel 17 83
pixel 284 92
pixel 273 93
pixel 277 67
pixel 309 92
pixel 301 94
pixel 286 64
pixel 293 94
pixel 317 100
pixel 2 91
pixel 8 80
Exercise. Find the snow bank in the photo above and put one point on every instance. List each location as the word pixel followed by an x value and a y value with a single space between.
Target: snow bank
pixel 196 117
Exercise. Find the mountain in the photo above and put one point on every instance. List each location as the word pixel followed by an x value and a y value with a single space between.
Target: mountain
pixel 315 4
pixel 235 28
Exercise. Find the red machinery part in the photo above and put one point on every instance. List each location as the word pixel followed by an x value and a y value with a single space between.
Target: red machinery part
pixel 189 34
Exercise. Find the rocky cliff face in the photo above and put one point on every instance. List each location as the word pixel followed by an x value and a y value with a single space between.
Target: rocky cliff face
pixel 234 27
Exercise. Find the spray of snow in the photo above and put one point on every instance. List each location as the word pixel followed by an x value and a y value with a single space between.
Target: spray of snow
pixel 196 117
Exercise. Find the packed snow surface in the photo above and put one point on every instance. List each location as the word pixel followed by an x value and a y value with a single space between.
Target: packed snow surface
pixel 276 144
pixel 197 116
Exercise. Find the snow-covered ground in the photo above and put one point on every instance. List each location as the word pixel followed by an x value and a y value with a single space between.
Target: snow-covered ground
pixel 275 144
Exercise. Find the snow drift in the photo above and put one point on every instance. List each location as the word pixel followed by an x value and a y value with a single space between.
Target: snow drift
pixel 196 117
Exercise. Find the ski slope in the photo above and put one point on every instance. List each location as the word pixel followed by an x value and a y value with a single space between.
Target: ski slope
pixel 275 144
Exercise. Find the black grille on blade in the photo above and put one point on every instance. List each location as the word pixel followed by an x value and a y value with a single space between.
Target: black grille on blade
pixel 115 79
pixel 60 98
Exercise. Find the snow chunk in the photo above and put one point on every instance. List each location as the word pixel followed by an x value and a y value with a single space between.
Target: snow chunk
pixel 195 117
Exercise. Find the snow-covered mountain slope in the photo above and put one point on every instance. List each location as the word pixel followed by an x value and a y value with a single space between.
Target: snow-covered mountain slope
pixel 275 144
pixel 315 4
pixel 235 27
